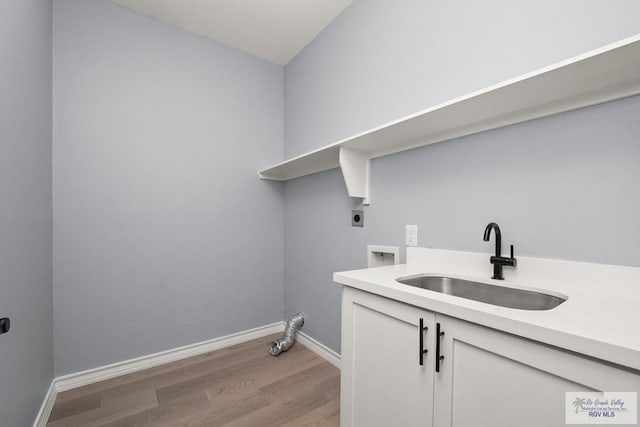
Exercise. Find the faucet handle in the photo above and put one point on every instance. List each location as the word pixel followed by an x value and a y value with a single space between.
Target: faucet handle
pixel 511 251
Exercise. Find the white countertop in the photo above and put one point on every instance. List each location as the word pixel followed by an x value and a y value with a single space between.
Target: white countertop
pixel 601 317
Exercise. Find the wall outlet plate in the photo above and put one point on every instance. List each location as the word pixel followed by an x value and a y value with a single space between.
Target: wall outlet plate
pixel 357 218
pixel 411 235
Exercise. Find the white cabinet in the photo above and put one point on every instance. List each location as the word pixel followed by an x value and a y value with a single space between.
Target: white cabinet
pixel 492 379
pixel 486 377
pixel 382 382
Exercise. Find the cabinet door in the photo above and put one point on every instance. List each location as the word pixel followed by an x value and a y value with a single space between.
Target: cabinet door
pixel 382 381
pixel 493 379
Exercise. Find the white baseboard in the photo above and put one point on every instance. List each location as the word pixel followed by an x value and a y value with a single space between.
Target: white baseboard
pixel 102 373
pixel 79 379
pixel 318 348
pixel 47 406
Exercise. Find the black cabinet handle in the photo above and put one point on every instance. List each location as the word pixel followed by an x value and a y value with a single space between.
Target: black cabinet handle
pixel 423 350
pixel 439 357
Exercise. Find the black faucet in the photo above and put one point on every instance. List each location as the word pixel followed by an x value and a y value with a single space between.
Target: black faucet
pixel 498 260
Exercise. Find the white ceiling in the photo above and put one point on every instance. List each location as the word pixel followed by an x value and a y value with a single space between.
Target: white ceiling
pixel 275 30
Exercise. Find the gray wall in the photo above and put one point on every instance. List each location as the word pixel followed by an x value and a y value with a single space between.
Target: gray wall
pixel 163 235
pixel 381 60
pixel 25 208
pixel 560 187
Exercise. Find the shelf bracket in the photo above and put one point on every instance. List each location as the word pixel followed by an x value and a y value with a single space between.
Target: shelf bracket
pixel 355 170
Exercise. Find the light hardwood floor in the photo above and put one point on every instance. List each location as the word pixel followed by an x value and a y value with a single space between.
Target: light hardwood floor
pixel 240 385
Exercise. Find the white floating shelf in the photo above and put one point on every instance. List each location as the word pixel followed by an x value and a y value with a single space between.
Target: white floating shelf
pixel 600 75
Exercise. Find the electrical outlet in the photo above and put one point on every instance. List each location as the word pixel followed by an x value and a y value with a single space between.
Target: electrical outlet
pixel 5 324
pixel 357 218
pixel 411 235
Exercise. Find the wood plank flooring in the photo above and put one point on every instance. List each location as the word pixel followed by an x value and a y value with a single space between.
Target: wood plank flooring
pixel 240 385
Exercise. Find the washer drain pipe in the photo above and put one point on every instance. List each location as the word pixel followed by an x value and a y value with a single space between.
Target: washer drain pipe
pixel 294 323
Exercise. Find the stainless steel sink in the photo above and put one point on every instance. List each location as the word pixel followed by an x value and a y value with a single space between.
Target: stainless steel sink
pixel 484 292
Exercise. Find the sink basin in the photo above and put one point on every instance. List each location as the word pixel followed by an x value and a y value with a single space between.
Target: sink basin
pixel 491 294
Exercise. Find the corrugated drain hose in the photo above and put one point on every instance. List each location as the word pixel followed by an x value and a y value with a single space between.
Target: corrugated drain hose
pixel 294 323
